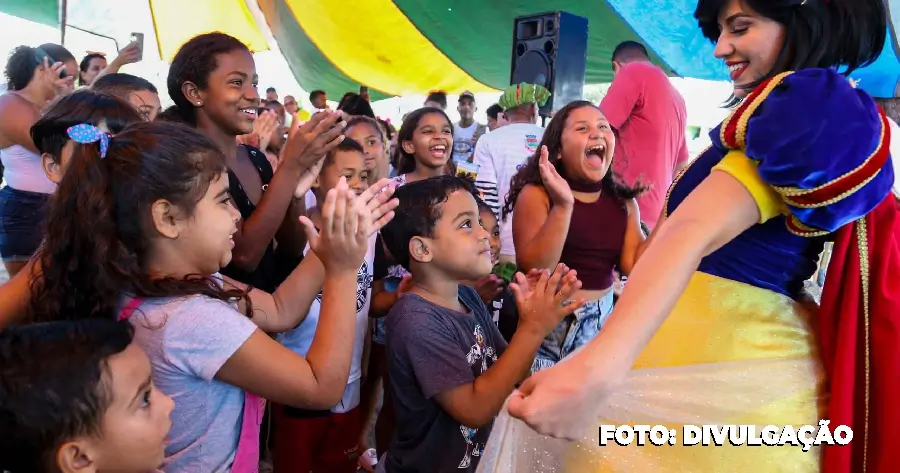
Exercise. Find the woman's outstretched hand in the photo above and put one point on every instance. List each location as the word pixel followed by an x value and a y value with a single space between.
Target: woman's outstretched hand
pixel 556 401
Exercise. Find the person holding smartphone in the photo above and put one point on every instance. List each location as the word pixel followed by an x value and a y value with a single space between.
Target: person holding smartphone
pixel 94 65
pixel 34 77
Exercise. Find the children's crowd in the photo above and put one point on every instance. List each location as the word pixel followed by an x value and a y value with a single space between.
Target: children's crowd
pixel 198 304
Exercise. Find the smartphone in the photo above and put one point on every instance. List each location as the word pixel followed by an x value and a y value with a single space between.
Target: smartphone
pixel 40 55
pixel 139 39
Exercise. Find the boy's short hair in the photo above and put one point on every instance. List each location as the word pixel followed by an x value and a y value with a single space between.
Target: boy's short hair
pixel 348 144
pixel 120 84
pixel 418 212
pixel 54 387
pixel 494 110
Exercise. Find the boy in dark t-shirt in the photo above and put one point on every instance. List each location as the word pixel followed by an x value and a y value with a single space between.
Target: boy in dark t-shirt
pixel 450 369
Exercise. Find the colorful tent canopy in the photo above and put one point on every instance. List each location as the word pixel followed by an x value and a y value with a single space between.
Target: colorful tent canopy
pixel 409 47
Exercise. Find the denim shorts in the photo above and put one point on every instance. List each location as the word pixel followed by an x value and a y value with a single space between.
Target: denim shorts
pixel 21 223
pixel 574 331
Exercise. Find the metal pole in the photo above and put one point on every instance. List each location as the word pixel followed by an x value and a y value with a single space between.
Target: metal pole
pixel 64 9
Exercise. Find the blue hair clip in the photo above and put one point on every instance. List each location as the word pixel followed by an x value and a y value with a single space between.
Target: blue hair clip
pixel 86 134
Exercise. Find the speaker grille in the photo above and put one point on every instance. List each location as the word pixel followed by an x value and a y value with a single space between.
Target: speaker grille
pixel 534 68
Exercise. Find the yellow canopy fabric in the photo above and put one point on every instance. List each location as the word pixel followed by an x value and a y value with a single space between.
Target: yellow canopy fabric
pixel 372 42
pixel 177 21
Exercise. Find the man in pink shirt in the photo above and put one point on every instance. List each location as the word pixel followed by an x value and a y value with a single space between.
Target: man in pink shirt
pixel 650 118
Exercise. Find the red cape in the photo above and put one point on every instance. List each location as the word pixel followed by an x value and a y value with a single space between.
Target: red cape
pixel 859 325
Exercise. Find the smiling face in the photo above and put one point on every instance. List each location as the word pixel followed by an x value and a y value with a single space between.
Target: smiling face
pixel 348 164
pixel 431 141
pixel 375 151
pixel 204 237
pixel 490 225
pixel 588 143
pixel 748 43
pixel 230 100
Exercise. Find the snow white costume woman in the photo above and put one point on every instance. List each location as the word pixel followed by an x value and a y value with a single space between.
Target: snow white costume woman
pixel 726 336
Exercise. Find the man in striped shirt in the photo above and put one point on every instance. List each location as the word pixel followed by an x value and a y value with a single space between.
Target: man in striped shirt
pixel 499 153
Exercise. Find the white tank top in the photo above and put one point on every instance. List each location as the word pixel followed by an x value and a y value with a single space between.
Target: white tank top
pixel 22 170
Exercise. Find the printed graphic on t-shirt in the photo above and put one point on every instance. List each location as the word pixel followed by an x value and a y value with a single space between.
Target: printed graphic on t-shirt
pixel 479 353
pixel 363 283
pixel 531 143
pixel 463 149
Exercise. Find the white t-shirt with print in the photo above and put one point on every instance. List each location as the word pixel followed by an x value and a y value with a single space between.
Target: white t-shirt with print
pixel 464 141
pixel 498 155
pixel 300 338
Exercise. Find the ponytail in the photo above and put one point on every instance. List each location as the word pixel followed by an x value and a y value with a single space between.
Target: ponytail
pixel 99 228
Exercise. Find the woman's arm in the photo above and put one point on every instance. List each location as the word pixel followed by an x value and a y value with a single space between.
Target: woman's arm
pixel 539 230
pixel 289 305
pixel 16 293
pixel 290 236
pixel 16 117
pixel 646 243
pixel 313 139
pixel 265 367
pixel 634 238
pixel 717 211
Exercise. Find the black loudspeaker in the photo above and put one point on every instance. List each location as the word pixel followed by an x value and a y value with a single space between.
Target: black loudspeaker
pixel 550 49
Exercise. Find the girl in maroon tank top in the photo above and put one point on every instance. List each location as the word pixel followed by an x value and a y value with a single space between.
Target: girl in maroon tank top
pixel 571 208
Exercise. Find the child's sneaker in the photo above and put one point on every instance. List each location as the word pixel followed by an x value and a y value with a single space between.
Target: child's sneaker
pixel 368 460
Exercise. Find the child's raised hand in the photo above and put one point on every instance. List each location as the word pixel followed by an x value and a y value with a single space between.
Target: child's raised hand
pixel 379 205
pixel 488 287
pixel 264 126
pixel 557 188
pixel 341 243
pixel 308 143
pixel 543 298
pixel 307 178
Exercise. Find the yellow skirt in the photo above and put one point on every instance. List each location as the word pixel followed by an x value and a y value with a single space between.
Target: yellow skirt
pixel 729 353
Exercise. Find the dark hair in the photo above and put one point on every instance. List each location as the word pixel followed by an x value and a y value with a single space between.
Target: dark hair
pixel 270 89
pixel 482 205
pixel 363 120
pixel 354 104
pixel 347 144
pixel 56 52
pixel 418 212
pixel 818 33
pixel 52 387
pixel 529 173
pixel 86 63
pixel 630 51
pixel 314 94
pixel 121 84
pixel 494 110
pixel 23 61
pixel 50 132
pixel 98 221
pixel 194 62
pixel 276 107
pixel 406 162
pixel 438 96
pixel 388 129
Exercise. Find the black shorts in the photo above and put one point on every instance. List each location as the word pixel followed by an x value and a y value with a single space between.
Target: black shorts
pixel 21 223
